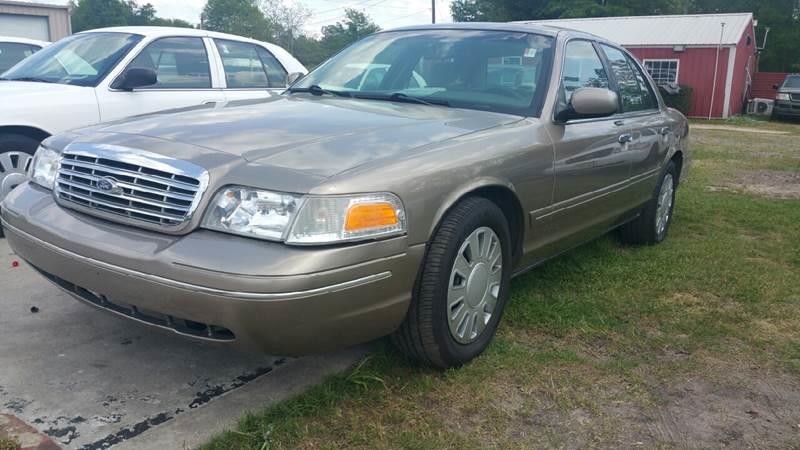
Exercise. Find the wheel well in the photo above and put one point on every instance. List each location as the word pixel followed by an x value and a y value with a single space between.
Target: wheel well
pixel 31 132
pixel 677 158
pixel 505 198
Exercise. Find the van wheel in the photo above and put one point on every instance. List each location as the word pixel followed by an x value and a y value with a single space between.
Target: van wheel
pixel 653 223
pixel 462 287
pixel 16 154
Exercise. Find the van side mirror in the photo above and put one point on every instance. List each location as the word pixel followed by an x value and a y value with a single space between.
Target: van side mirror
pixel 135 77
pixel 590 102
pixel 293 77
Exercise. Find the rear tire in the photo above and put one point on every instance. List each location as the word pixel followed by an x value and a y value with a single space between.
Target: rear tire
pixel 462 287
pixel 16 151
pixel 653 222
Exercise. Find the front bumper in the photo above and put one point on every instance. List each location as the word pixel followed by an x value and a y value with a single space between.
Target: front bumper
pixel 785 108
pixel 258 295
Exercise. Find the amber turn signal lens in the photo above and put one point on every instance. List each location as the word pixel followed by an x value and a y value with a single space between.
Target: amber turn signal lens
pixel 363 216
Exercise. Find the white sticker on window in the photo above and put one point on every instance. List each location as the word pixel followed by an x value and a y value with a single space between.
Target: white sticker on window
pixel 530 52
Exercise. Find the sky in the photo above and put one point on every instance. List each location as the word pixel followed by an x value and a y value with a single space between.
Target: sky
pixel 386 13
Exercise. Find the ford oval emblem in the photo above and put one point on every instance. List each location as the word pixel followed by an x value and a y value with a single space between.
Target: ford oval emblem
pixel 108 185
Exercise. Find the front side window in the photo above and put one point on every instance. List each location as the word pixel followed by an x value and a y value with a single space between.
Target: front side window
pixel 630 82
pixel 179 62
pixel 11 53
pixel 243 67
pixel 82 59
pixel 582 68
pixel 663 71
pixel 275 71
pixel 474 69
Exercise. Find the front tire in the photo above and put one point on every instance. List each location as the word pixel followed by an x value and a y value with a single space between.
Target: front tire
pixel 656 216
pixel 462 287
pixel 16 154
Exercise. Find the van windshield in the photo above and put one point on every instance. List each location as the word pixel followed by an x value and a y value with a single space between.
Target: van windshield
pixel 81 60
pixel 487 70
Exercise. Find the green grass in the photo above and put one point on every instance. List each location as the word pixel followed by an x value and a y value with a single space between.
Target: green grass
pixel 597 344
pixel 7 443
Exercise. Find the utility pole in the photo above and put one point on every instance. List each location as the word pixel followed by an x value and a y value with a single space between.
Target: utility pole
pixel 433 11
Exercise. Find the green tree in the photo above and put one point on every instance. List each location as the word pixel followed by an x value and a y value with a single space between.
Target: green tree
pixel 91 14
pixel 240 17
pixel 355 25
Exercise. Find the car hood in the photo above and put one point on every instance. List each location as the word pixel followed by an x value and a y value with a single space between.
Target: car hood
pixel 31 88
pixel 322 136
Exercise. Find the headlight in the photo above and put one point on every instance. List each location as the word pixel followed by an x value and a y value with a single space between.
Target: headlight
pixel 45 166
pixel 782 96
pixel 251 212
pixel 326 220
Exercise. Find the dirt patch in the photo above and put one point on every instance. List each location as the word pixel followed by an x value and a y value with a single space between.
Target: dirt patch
pixel 768 183
pixel 733 128
pixel 747 408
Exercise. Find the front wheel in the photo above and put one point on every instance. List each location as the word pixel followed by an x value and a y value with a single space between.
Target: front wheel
pixel 16 155
pixel 462 287
pixel 656 216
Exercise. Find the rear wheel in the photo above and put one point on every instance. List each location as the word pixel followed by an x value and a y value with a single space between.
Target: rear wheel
pixel 462 287
pixel 16 155
pixel 653 223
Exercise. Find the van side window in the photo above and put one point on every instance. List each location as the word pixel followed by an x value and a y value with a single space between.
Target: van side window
pixel 179 62
pixel 631 83
pixel 582 68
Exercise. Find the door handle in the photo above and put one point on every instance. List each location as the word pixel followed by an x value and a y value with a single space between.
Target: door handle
pixel 625 138
pixel 619 123
pixel 665 131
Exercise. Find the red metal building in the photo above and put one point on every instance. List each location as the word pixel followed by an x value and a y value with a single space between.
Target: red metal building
pixel 689 50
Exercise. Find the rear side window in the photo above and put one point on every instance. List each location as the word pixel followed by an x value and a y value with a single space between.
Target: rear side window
pixel 11 53
pixel 582 68
pixel 243 66
pixel 180 62
pixel 275 71
pixel 632 86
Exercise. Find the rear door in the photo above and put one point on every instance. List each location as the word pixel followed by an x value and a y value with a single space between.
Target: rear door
pixel 651 133
pixel 250 70
pixel 184 74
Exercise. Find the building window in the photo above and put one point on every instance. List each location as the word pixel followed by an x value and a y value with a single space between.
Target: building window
pixel 663 71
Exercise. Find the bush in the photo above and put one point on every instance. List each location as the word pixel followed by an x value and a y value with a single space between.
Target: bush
pixel 680 100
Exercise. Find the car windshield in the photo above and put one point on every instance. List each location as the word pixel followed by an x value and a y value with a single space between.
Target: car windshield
pixel 82 59
pixel 792 82
pixel 475 69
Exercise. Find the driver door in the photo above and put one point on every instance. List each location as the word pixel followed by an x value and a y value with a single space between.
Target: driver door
pixel 592 162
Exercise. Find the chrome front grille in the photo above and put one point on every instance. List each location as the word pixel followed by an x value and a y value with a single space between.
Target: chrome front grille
pixel 795 97
pixel 130 186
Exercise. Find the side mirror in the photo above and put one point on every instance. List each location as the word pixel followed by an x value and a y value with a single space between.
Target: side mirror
pixel 293 77
pixel 776 86
pixel 136 77
pixel 590 102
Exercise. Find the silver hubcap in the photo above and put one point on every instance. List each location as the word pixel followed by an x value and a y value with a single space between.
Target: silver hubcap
pixel 474 285
pixel 664 204
pixel 13 170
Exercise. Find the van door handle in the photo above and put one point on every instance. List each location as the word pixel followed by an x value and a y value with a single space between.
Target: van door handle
pixel 665 131
pixel 619 123
pixel 625 138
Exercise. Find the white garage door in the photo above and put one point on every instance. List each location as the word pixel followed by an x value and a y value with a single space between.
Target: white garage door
pixel 31 27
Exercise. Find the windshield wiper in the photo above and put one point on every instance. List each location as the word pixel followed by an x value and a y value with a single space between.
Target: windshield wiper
pixel 315 89
pixel 34 79
pixel 401 97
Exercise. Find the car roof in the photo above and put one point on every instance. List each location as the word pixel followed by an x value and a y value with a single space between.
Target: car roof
pixel 546 30
pixel 155 32
pixel 19 40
